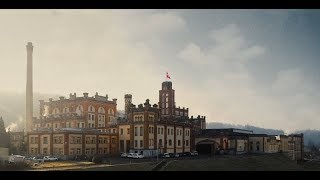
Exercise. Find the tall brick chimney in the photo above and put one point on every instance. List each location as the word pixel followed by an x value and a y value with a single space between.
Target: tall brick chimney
pixel 29 89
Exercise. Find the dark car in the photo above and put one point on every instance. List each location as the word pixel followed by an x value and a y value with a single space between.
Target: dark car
pixel 172 155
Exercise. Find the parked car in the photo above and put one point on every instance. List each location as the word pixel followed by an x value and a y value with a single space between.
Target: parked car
pixel 16 159
pixel 172 155
pixel 124 155
pixel 176 155
pixel 130 155
pixel 50 158
pixel 137 156
pixel 166 155
pixel 194 153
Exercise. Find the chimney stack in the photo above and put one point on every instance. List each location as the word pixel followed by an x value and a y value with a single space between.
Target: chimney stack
pixel 85 95
pixel 29 88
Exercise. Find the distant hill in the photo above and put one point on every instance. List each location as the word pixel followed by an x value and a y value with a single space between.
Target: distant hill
pixel 256 130
pixel 311 136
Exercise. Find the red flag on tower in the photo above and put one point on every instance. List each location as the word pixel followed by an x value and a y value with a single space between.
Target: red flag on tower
pixel 168 77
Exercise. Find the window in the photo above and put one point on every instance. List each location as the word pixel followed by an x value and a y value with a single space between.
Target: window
pixel 101 110
pixel 170 142
pixel 179 143
pixel 121 131
pixel 36 140
pixel 128 130
pixel 180 132
pixel 45 140
pixel 135 143
pixel 78 140
pixel 104 140
pixel 171 131
pixel 91 108
pixel 113 140
pixel 100 140
pixel 168 130
pixel 93 140
pixel 158 130
pixel 150 130
pixel 258 146
pixel 87 151
pixel 45 150
pixel 150 142
pixel 114 130
pixel 135 131
pixel 161 130
pixel 141 131
pixel 78 151
pixel 141 143
pixel 160 142
pixel 32 140
pixel 187 142
pixel 93 150
pixel 87 140
pixel 73 140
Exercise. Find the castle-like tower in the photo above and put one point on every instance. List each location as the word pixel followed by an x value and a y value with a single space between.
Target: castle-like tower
pixel 29 89
pixel 166 100
pixel 127 103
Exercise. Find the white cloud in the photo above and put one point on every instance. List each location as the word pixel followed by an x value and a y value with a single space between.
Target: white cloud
pixel 230 94
pixel 229 46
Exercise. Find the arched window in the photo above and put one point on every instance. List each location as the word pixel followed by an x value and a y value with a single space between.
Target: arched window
pixel 101 110
pixel 79 110
pixel 110 111
pixel 65 110
pixel 46 110
pixel 91 109
pixel 55 111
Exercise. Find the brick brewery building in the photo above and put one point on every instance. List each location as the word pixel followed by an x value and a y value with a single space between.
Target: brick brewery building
pixel 159 127
pixel 88 126
pixel 75 126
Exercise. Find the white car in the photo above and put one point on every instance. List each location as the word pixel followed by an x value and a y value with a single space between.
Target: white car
pixel 194 153
pixel 130 155
pixel 137 156
pixel 166 155
pixel 123 155
pixel 49 158
pixel 16 159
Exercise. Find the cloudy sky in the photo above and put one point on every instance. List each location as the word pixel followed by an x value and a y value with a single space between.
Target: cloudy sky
pixel 257 67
